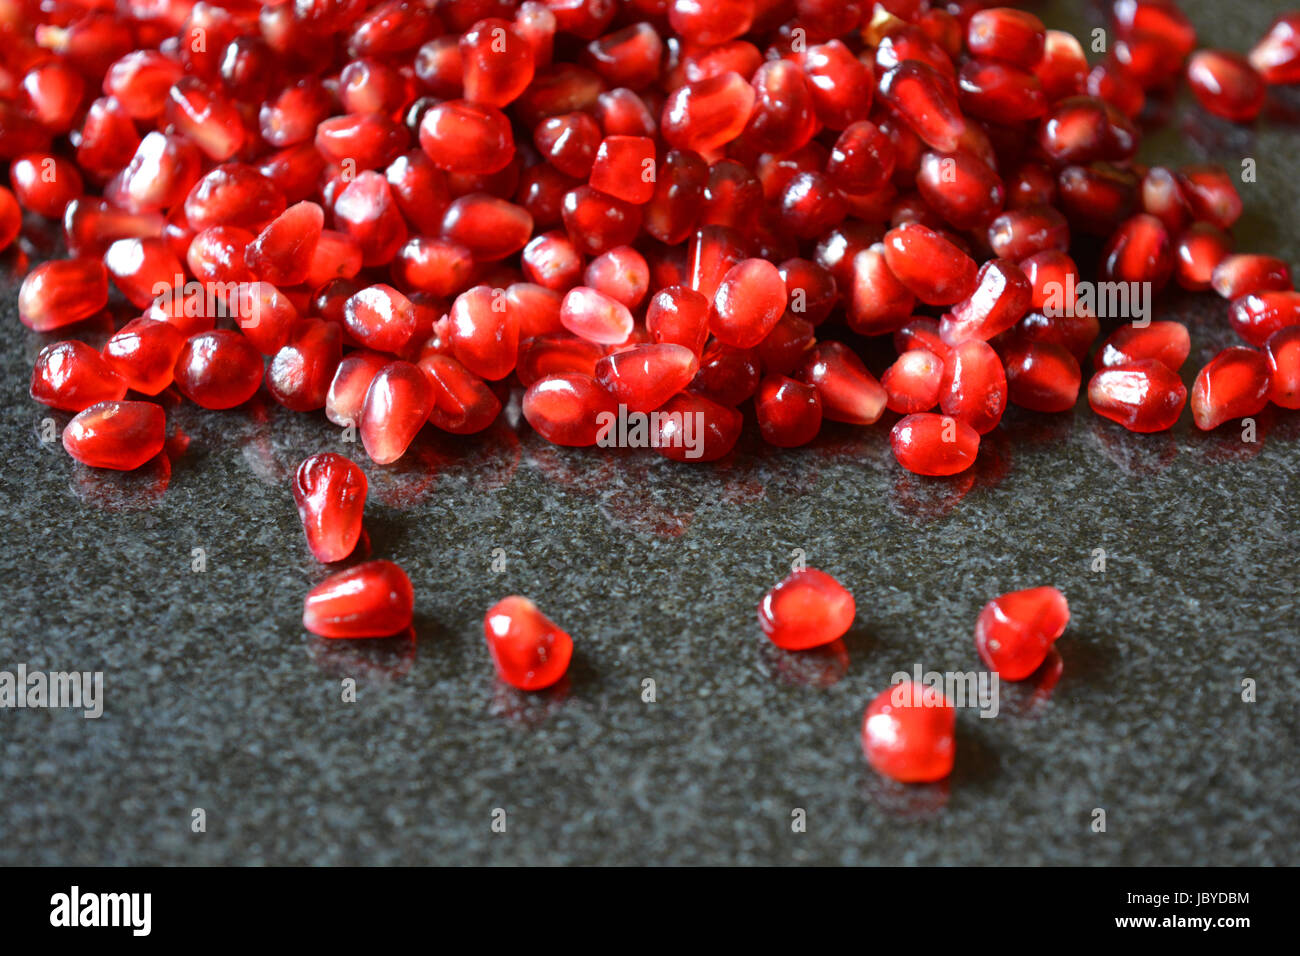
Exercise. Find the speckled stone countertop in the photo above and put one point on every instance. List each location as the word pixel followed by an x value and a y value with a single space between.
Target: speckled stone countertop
pixel 215 698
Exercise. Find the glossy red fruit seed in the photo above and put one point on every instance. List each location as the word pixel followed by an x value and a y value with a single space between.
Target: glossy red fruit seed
pixel 140 268
pixel 694 428
pixel 496 62
pixel 467 137
pixel 529 651
pixel 1020 233
pixel 300 372
pixel 1166 342
pixel 396 406
pixel 207 118
pixel 347 391
pixel 1042 376
pixel 1083 129
pixel 927 101
pixel 848 392
pixel 366 212
pixel 1015 632
pixel 11 218
pixel 1211 194
pixel 645 376
pixel 878 302
pixel 330 492
pixel 566 408
pixel 1002 296
pixel 674 208
pixel 462 402
pixel 807 609
pixel 974 386
pixel 748 303
pixel 73 376
pixel 61 292
pixel 117 435
pixel 912 382
pixel 1198 252
pixel 841 85
pixel 961 187
pixel 554 353
pixel 374 599
pixel 218 369
pixel 144 352
pixel 597 222
pixel 1239 275
pixel 1234 384
pixel 708 114
pixel 931 267
pixel 620 273
pixel 994 90
pixel 930 444
pixel 489 227
pixel 1257 317
pixel 380 318
pixel 1002 33
pixel 569 143
pixel 789 412
pixel 595 316
pixel 678 315
pixel 1283 352
pixel 625 168
pixel 1226 84
pixel 282 252
pixel 1143 396
pixel 1141 250
pixel 1277 55
pixel 44 183
pixel 908 733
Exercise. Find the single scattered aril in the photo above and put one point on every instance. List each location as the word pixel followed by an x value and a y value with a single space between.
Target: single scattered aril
pixel 374 599
pixel 1235 384
pixel 73 376
pixel 528 649
pixel 1143 396
pixel 808 609
pixel 930 444
pixel 909 733
pixel 117 435
pixel 1014 632
pixel 330 492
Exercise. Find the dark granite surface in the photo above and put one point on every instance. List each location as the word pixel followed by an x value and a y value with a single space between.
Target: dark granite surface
pixel 215 698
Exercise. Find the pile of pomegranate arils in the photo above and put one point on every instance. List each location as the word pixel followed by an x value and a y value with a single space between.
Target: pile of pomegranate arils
pixel 627 206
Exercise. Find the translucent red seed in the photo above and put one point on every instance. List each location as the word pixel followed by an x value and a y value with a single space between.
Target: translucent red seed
pixel 1041 375
pixel 1257 316
pixel 930 444
pixel 565 408
pixel 61 292
pixel 1143 396
pixel 848 392
pixel 807 609
pixel 929 265
pixel 528 649
pixel 330 492
pixel 1234 384
pixel 1226 84
pixel 397 404
pixel 974 386
pixel 218 369
pixel 1015 632
pixel 374 599
pixel 73 376
pixel 789 412
pixel 117 435
pixel 908 733
pixel 1166 342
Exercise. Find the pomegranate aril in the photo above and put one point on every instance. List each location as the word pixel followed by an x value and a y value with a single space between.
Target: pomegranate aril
pixel 1198 252
pixel 679 316
pixel 1006 34
pixel 789 412
pixel 748 303
pixel 1210 193
pixel 1015 632
pixel 465 137
pixel 973 388
pixel 1020 233
pixel 597 222
pixel 528 649
pixel 462 402
pixel 1234 384
pixel 629 57
pixel 912 382
pixel 555 353
pixel 848 392
pixel 1143 396
pixel 624 168
pixel 11 218
pixel 620 112
pixel 1258 316
pixel 908 733
pixel 1113 82
pixel 840 83
pixel 144 352
pixel 496 62
pixel 330 492
pixel 73 376
pixel 568 408
pixel 1141 250
pixel 396 406
pixel 931 267
pixel 595 316
pixel 1163 198
pixel 620 273
pixel 1042 376
pixel 1277 55
pixel 1166 342
pixel 366 212
pixel 205 117
pixel 807 609
pixel 1081 129
pixel 218 369
pixel 642 378
pixel 118 435
pixel 44 183
pixel 348 387
pixel 61 292
pixel 374 599
pixel 1097 198
pixel 1226 84
pixel 674 208
pixel 927 101
pixel 1283 352
pixel 706 115
pixel 877 302
pixel 1002 296
pixel 266 315
pixel 140 81
pixel 282 252
pixel 1000 92
pixel 695 428
pixel 1245 274
pixel 299 374
pixel 380 318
